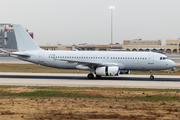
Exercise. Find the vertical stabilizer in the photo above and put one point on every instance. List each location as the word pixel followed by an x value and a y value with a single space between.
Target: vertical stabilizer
pixel 24 40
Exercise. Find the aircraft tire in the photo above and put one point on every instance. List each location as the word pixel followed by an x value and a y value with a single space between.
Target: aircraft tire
pixel 90 76
pixel 151 77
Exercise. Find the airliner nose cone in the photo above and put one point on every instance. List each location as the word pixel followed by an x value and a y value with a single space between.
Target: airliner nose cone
pixel 173 64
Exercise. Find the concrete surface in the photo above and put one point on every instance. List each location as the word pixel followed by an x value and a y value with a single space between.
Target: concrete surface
pixel 80 80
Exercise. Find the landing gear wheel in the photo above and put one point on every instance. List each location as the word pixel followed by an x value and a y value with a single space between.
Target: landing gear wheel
pixel 151 77
pixel 90 76
pixel 98 76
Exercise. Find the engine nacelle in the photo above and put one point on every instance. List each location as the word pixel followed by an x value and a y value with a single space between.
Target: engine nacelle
pixel 124 71
pixel 108 71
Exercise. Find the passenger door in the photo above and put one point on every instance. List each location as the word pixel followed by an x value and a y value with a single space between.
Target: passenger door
pixel 151 58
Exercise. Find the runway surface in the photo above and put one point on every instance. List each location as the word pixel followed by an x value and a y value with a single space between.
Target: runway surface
pixel 80 80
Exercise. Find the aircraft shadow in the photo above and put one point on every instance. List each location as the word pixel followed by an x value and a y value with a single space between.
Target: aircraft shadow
pixel 85 78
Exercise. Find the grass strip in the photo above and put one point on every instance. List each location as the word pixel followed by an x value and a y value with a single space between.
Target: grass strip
pixel 45 93
pixel 80 94
pixel 101 88
pixel 62 88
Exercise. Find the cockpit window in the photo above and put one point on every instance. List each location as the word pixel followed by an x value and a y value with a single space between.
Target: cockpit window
pixel 164 58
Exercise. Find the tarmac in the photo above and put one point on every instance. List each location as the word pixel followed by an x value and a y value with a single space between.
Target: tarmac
pixel 80 80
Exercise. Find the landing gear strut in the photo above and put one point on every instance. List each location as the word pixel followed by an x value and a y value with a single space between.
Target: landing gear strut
pixel 151 77
pixel 90 76
pixel 151 74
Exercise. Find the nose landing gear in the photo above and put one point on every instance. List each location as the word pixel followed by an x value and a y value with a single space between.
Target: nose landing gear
pixel 151 74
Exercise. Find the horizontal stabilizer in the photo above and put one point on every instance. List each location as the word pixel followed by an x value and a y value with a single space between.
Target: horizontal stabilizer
pixel 20 54
pixel 5 51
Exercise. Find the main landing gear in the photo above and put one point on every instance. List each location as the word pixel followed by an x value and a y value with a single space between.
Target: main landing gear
pixel 90 76
pixel 151 77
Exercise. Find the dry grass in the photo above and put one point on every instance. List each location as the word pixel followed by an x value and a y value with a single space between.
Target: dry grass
pixel 78 108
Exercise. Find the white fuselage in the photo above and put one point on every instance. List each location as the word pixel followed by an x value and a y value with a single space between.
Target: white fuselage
pixel 124 60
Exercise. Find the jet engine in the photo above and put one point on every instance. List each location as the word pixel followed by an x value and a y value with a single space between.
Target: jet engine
pixel 107 71
pixel 124 71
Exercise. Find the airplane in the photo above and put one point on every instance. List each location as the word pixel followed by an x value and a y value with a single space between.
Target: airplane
pixel 100 63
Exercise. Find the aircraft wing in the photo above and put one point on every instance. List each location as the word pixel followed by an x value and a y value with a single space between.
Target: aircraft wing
pixel 92 64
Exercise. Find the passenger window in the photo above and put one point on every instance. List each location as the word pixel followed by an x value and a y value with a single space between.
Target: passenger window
pixel 164 58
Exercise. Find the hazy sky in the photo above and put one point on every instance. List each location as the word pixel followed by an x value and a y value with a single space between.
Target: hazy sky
pixel 88 21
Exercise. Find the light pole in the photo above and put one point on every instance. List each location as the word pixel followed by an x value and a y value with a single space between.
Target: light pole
pixel 111 8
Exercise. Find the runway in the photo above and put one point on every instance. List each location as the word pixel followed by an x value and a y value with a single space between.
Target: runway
pixel 80 80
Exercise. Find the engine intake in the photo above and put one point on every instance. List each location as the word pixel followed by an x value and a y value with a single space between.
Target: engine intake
pixel 108 71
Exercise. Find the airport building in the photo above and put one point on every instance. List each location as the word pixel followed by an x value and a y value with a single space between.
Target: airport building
pixel 172 46
pixel 142 42
pixel 83 47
